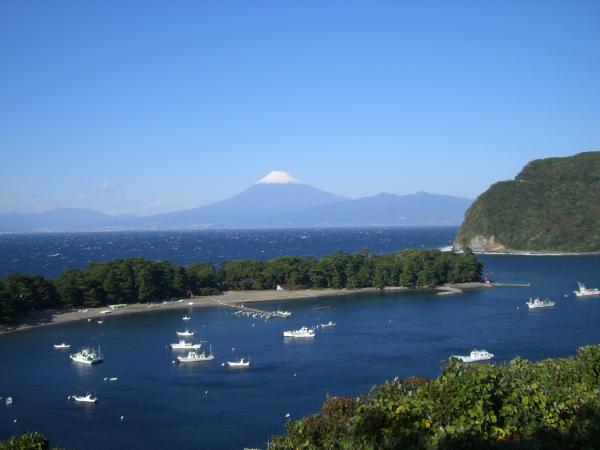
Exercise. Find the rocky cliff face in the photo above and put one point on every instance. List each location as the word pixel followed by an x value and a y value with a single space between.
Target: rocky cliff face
pixel 482 244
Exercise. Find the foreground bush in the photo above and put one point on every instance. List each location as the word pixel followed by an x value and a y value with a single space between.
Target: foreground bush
pixel 551 404
pixel 27 441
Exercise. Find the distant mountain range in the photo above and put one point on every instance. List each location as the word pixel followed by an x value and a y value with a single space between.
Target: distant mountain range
pixel 277 200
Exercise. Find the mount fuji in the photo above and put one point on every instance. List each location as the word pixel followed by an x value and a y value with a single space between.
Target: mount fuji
pixel 266 203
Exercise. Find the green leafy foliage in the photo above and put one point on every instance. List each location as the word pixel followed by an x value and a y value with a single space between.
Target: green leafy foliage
pixel 26 441
pixel 138 280
pixel 552 205
pixel 551 404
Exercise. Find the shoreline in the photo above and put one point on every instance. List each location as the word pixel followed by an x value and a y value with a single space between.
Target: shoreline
pixel 528 252
pixel 45 318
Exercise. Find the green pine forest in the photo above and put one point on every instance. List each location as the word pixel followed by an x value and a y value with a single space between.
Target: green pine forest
pixel 139 280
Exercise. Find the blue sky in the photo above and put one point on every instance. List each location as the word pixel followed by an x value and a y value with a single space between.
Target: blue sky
pixel 148 107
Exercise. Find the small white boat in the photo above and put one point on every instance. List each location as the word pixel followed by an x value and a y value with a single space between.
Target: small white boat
pixel 88 398
pixel 183 345
pixel 284 314
pixel 328 324
pixel 8 401
pixel 62 345
pixel 241 363
pixel 196 357
pixel 584 291
pixel 100 322
pixel 87 356
pixel 538 303
pixel 303 332
pixel 186 318
pixel 110 379
pixel 106 311
pixel 476 355
pixel 186 333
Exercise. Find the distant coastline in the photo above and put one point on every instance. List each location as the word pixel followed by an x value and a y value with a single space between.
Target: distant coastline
pixel 43 318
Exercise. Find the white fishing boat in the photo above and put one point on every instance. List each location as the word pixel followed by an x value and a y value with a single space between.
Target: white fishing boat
pixel 539 303
pixel 186 333
pixel 328 324
pixel 87 356
pixel 88 398
pixel 584 291
pixel 8 401
pixel 284 314
pixel 111 379
pixel 476 355
pixel 62 345
pixel 183 345
pixel 186 318
pixel 241 363
pixel 196 357
pixel 303 332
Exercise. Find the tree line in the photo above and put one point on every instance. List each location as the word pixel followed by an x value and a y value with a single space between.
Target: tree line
pixel 138 280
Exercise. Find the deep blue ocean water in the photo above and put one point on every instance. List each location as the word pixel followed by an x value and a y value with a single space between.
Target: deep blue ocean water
pixel 377 337
pixel 49 254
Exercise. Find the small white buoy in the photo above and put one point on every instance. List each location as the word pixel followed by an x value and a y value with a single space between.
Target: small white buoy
pixel 295 374
pixel 222 364
pixel 206 392
pixel 15 421
pixel 233 349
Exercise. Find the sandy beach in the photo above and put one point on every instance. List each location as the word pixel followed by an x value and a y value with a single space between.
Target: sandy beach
pixel 228 298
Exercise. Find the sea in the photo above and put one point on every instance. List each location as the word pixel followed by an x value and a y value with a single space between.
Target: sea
pixel 156 404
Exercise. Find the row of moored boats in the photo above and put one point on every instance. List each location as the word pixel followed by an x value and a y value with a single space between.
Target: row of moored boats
pixel 582 291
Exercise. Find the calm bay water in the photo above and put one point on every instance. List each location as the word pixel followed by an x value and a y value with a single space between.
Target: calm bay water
pixel 377 337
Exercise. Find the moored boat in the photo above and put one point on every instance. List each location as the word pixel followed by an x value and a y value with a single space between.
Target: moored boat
pixel 328 324
pixel 88 398
pixel 186 333
pixel 183 345
pixel 584 291
pixel 539 303
pixel 87 356
pixel 193 356
pixel 62 345
pixel 475 355
pixel 303 332
pixel 241 363
pixel 186 318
